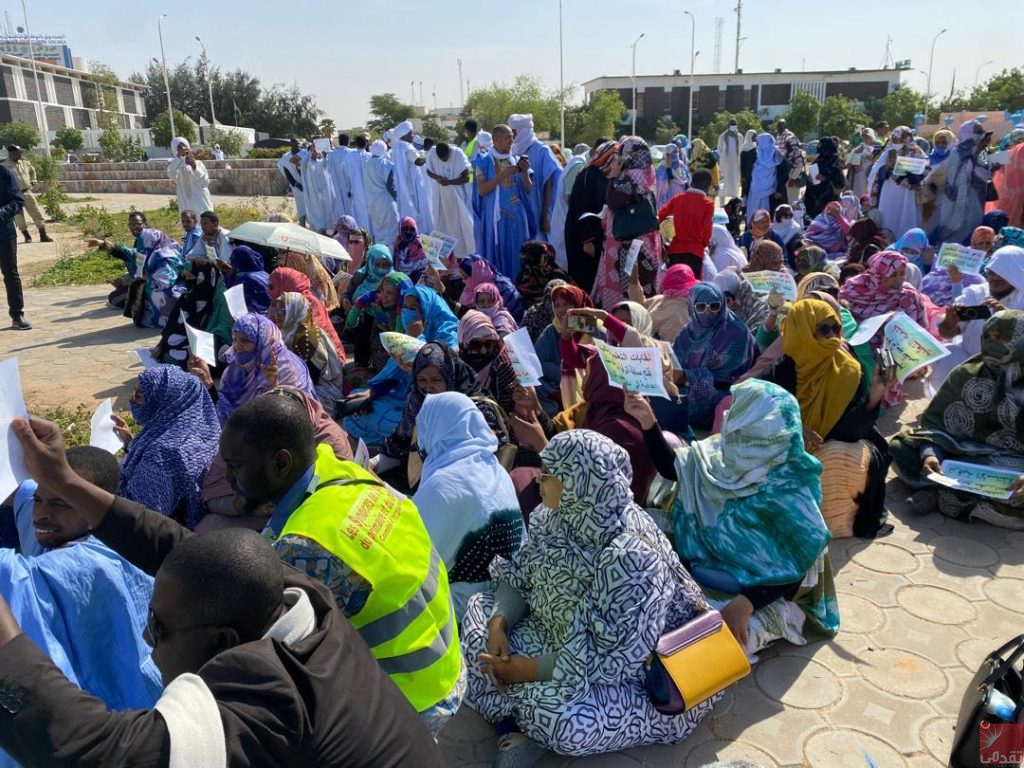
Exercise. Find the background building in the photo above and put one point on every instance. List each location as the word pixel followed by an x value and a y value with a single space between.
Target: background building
pixel 51 49
pixel 766 93
pixel 69 96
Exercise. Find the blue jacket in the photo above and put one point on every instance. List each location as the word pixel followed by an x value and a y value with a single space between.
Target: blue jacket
pixel 11 203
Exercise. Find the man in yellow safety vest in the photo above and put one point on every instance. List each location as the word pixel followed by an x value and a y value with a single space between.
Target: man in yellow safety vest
pixel 339 523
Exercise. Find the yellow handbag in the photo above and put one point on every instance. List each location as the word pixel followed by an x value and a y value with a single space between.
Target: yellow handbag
pixel 693 663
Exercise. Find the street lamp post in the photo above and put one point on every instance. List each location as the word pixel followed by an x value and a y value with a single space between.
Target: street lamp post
pixel 35 77
pixel 693 59
pixel 634 81
pixel 561 75
pixel 977 72
pixel 163 60
pixel 931 63
pixel 209 82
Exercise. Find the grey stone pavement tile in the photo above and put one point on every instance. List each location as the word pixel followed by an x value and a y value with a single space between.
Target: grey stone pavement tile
pixel 920 608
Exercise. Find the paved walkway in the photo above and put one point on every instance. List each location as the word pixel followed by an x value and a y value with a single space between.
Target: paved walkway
pixel 920 608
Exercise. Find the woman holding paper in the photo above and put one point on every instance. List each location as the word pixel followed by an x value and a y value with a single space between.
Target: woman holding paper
pixel 283 280
pixel 962 204
pixel 894 189
pixel 976 417
pixel 482 349
pixel 883 288
pixel 294 317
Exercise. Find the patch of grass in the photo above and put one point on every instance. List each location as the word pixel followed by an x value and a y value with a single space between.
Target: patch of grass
pixel 75 424
pixel 81 199
pixel 90 268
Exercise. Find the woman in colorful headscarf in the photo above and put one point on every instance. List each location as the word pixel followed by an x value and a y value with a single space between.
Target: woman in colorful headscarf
pixel 831 180
pixel 943 142
pixel 321 284
pixel 828 231
pixel 470 523
pixel 810 259
pixel 426 315
pixel 576 612
pixel 630 188
pixel 247 268
pixel 481 348
pixel 557 348
pixel 375 312
pixel 883 288
pixel 476 270
pixel 838 407
pixel 1009 183
pixel 294 316
pixel 672 178
pixel 407 249
pixel 768 178
pixel 377 265
pixel 747 520
pixel 759 228
pixel 257 362
pixel 539 268
pixel 670 310
pixel 152 300
pixel 487 299
pixel 285 280
pixel 895 194
pixel 866 239
pixel 962 205
pixel 788 229
pixel 703 158
pixel 913 245
pixel 714 349
pixel 976 418
pixel 538 317
pixel 165 463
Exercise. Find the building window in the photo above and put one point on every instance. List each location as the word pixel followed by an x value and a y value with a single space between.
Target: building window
pixel 64 90
pixel 81 118
pixel 639 103
pixel 55 118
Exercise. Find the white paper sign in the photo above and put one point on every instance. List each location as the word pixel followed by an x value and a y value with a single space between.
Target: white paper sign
pixel 524 358
pixel 402 345
pixel 637 369
pixel 102 433
pixel 323 146
pixel 913 166
pixel 631 256
pixel 979 479
pixel 201 344
pixel 235 298
pixel 768 281
pixel 911 345
pixel 967 260
pixel 866 331
pixel 432 247
pixel 447 244
pixel 12 406
pixel 999 158
pixel 146 358
pixel 362 455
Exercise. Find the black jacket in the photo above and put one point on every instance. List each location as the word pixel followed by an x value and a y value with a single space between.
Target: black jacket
pixel 11 202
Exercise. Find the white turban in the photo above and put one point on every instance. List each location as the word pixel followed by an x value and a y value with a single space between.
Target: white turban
pixel 523 126
pixel 176 142
pixel 402 129
pixel 484 140
pixel 378 148
pixel 1008 263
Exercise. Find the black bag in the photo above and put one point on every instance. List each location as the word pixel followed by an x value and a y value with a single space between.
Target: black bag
pixel 637 218
pixel 995 673
pixel 991 193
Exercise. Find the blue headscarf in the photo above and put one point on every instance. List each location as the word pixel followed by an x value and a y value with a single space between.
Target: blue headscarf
pixel 439 322
pixel 371 274
pixel 913 238
pixel 251 272
pixel 167 461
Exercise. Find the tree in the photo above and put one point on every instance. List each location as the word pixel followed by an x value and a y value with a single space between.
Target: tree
pixel 595 119
pixel 746 120
pixel 840 116
pixel 494 104
pixel 1002 91
pixel 68 139
pixel 160 129
pixel 432 129
pixel 22 134
pixel 898 108
pixel 665 130
pixel 387 112
pixel 326 128
pixel 802 116
pixel 230 141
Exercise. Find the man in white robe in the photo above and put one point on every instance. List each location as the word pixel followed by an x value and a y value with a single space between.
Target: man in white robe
pixel 290 167
pixel 410 180
pixel 729 163
pixel 319 191
pixel 191 179
pixel 451 204
pixel 379 185
pixel 354 162
pixel 339 176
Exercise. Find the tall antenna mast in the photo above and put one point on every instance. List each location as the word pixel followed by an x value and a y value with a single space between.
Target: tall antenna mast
pixel 719 26
pixel 462 96
pixel 739 20
pixel 887 59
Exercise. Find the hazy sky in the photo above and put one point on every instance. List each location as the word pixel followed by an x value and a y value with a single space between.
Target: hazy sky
pixel 345 56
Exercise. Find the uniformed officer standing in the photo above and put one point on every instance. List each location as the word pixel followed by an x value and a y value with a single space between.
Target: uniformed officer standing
pixel 25 175
pixel 10 208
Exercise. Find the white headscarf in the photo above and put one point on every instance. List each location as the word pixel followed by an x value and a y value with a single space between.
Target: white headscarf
pixel 484 141
pixel 1008 263
pixel 523 126
pixel 402 129
pixel 726 253
pixel 378 148
pixel 176 142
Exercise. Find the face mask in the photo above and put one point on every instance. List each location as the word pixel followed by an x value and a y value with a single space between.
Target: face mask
pixel 733 128
pixel 408 235
pixel 409 316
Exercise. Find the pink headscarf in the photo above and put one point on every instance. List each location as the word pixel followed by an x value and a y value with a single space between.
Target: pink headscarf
pixel 868 296
pixel 678 281
pixel 475 325
pixel 503 321
pixel 481 273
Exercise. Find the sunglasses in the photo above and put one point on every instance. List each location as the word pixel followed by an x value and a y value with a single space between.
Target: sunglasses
pixel 702 307
pixel 829 329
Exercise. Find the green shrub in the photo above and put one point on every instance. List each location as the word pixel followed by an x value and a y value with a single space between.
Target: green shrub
pixel 22 134
pixel 230 142
pixel 160 129
pixel 98 222
pixel 266 153
pixel 69 139
pixel 51 199
pixel 75 423
pixel 90 268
